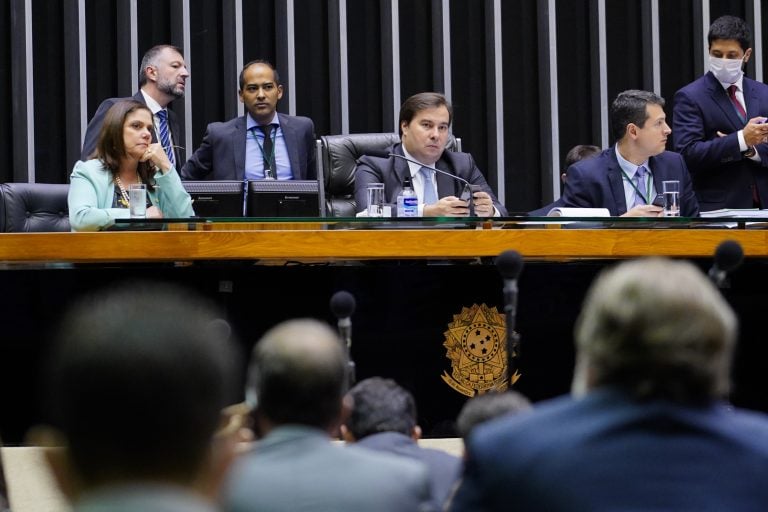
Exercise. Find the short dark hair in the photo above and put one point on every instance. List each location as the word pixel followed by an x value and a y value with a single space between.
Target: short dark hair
pixel 482 408
pixel 110 147
pixel 730 27
pixel 423 101
pixel 298 374
pixel 579 153
pixel 241 79
pixel 631 107
pixel 149 59
pixel 136 381
pixel 380 405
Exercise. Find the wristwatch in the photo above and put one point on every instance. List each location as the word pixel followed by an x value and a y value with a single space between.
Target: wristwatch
pixel 749 153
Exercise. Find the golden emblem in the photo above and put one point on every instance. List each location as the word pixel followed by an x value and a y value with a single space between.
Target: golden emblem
pixel 476 343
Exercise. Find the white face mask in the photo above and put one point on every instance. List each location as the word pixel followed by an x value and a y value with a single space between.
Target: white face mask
pixel 727 71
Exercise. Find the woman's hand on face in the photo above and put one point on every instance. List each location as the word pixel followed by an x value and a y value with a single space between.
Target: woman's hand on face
pixel 155 154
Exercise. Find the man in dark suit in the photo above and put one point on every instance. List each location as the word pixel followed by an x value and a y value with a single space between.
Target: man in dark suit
pixel 645 428
pixel 162 78
pixel 627 177
pixel 262 144
pixel 719 122
pixel 575 154
pixel 424 122
pixel 383 418
pixel 297 382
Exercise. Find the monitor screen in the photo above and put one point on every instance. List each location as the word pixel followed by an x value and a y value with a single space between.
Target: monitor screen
pixel 216 198
pixel 284 198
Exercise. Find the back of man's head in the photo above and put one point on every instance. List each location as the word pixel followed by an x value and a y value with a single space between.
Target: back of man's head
pixel 482 408
pixel 135 384
pixel 658 329
pixel 730 28
pixel 380 405
pixel 298 375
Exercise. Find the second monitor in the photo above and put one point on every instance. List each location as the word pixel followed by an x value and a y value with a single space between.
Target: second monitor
pixel 284 198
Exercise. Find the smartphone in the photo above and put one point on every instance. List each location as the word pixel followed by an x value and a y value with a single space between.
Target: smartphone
pixel 658 200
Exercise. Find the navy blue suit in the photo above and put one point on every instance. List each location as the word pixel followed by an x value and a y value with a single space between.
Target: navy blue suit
pixel 221 155
pixel 609 452
pixel 390 171
pixel 94 128
pixel 597 182
pixel 722 177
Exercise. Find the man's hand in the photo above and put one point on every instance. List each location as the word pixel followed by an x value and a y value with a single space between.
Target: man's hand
pixel 450 206
pixel 645 210
pixel 483 204
pixel 756 131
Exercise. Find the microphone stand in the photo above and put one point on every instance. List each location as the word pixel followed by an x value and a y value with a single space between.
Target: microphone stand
pixel 467 190
pixel 510 313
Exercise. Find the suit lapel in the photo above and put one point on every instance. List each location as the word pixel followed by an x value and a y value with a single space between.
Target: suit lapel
pixel 616 183
pixel 400 169
pixel 751 98
pixel 238 147
pixel 291 144
pixel 723 102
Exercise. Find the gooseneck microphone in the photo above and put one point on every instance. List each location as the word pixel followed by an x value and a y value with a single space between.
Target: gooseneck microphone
pixel 510 264
pixel 728 256
pixel 343 306
pixel 466 193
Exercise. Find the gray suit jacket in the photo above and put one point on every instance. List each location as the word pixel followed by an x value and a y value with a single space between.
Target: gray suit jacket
pixel 390 171
pixel 298 469
pixel 221 155
pixel 94 127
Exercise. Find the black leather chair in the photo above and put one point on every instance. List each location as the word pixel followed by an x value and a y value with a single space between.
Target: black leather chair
pixel 34 207
pixel 339 160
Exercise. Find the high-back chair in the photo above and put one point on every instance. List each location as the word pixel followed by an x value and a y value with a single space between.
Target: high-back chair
pixel 36 207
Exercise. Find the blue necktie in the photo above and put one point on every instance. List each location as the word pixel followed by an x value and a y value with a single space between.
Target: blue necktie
pixel 642 189
pixel 165 135
pixel 430 197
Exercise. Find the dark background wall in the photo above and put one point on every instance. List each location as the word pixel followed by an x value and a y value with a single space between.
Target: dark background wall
pixel 60 58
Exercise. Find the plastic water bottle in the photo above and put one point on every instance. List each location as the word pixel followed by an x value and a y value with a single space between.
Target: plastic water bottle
pixel 407 201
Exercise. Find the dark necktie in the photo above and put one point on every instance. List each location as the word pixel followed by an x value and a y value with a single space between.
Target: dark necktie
pixel 268 152
pixel 165 137
pixel 736 103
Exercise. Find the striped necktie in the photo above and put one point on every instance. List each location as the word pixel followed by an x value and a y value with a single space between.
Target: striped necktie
pixel 165 135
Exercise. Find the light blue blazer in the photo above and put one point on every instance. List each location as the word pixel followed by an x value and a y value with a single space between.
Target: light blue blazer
pixel 92 189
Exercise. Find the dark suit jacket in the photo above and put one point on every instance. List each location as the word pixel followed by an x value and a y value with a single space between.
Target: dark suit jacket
pixel 722 177
pixel 609 452
pixel 94 127
pixel 221 155
pixel 597 182
pixel 390 171
pixel 444 469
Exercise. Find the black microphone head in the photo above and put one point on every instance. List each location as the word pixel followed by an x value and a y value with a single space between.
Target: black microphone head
pixel 728 255
pixel 343 304
pixel 509 264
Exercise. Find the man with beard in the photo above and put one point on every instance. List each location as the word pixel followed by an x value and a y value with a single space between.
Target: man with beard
pixel 162 78
pixel 262 144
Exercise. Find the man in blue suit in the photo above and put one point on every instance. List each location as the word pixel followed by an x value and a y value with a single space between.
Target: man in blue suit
pixel 644 428
pixel 719 124
pixel 627 177
pixel 162 78
pixel 263 144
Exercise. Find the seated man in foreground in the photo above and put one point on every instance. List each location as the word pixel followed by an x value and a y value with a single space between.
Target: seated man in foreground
pixel 645 428
pixel 424 122
pixel 627 177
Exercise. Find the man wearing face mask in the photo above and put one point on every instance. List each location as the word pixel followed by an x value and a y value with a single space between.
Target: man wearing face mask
pixel 719 124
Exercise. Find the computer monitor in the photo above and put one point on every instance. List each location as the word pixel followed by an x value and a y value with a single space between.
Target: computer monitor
pixel 284 198
pixel 216 198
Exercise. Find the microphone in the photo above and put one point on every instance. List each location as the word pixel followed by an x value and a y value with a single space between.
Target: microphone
pixel 343 306
pixel 728 256
pixel 466 194
pixel 510 264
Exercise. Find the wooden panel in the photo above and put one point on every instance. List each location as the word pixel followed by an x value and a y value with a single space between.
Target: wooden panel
pixel 361 244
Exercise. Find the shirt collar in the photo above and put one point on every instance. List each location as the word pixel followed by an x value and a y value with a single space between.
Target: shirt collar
pixel 738 83
pixel 151 103
pixel 415 168
pixel 628 167
pixel 251 122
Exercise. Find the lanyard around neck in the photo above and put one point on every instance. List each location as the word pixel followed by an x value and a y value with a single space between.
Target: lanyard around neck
pixel 271 157
pixel 647 196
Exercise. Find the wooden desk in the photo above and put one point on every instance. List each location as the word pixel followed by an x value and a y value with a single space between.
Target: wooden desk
pixel 158 246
